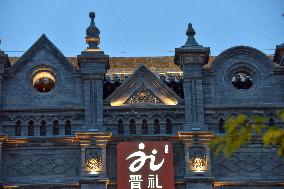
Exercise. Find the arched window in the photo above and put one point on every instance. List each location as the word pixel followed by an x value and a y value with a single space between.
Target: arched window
pixel 221 126
pixel 55 127
pixel 18 128
pixel 169 128
pixel 120 127
pixel 132 127
pixel 144 127
pixel 68 127
pixel 31 128
pixel 271 122
pixel 156 127
pixel 42 128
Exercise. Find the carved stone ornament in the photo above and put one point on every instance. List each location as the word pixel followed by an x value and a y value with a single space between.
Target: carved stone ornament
pixel 143 95
pixel 197 159
pixel 94 161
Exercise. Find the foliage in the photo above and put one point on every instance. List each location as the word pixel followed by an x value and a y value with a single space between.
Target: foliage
pixel 239 131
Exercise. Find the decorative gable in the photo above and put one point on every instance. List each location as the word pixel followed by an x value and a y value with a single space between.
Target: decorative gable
pixel 143 88
pixel 143 95
pixel 43 43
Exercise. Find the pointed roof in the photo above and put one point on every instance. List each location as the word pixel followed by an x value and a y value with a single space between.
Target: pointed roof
pixel 143 88
pixel 42 42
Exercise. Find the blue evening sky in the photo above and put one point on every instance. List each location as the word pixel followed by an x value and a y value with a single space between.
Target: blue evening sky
pixel 142 28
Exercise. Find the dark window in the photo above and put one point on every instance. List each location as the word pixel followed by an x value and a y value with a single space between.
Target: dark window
pixel 31 128
pixel 43 128
pixel 169 128
pixel 271 122
pixel 55 127
pixel 132 127
pixel 120 127
pixel 221 126
pixel 144 127
pixel 157 127
pixel 68 127
pixel 18 128
pixel 242 80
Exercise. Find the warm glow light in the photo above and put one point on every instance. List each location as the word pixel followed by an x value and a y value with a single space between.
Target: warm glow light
pixel 93 49
pixel 116 103
pixel 43 75
pixel 166 101
pixel 198 164
pixel 94 165
pixel 169 102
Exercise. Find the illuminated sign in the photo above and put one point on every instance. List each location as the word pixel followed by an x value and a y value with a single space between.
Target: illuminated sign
pixel 143 165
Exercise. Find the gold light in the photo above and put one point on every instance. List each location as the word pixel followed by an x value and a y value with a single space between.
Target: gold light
pixel 43 75
pixel 94 165
pixel 198 164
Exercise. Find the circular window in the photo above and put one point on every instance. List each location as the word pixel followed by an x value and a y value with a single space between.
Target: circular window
pixel 44 81
pixel 242 80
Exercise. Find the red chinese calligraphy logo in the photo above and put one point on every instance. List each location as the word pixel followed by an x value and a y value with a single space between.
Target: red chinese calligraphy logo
pixel 145 165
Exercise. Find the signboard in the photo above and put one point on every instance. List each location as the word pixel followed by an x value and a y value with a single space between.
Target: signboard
pixel 143 165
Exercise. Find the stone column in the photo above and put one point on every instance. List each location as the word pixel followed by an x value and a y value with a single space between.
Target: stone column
pixel 191 57
pixel 197 159
pixel 93 159
pixel 93 65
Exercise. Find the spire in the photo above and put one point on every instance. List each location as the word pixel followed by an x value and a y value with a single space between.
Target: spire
pixel 92 33
pixel 191 42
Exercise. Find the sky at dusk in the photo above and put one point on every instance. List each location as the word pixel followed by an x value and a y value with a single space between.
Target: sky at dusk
pixel 142 28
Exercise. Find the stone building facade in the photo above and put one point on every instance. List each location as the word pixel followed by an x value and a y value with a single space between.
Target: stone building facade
pixel 61 117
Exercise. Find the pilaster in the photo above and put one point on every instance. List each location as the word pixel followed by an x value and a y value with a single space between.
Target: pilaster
pixel 93 159
pixel 191 57
pixel 93 65
pixel 197 159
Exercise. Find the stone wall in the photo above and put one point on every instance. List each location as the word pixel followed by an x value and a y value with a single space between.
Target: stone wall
pixel 40 164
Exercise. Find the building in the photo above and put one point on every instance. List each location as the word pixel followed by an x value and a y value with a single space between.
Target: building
pixel 66 121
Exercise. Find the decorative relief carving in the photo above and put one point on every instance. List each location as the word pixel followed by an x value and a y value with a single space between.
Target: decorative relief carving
pixel 94 162
pixel 197 159
pixel 143 95
pixel 243 163
pixel 42 165
pixel 212 115
pixel 114 117
pixel 38 117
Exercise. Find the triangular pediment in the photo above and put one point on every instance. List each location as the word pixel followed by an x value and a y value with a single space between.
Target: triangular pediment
pixel 43 43
pixel 143 88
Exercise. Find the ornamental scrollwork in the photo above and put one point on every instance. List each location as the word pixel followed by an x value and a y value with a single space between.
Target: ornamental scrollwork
pixel 94 161
pixel 143 95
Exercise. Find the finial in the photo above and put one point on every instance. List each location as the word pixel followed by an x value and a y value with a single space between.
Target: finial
pixel 191 42
pixel 92 33
pixel 92 15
